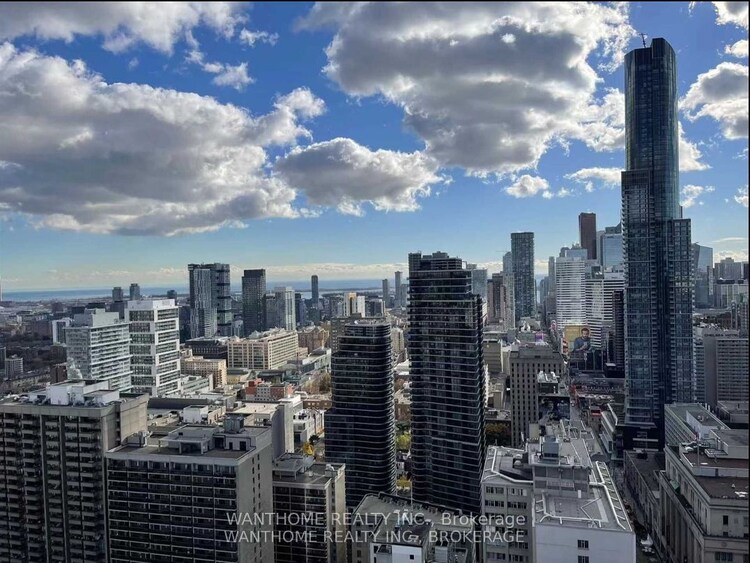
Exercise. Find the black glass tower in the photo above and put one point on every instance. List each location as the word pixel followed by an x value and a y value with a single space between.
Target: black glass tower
pixel 657 250
pixel 253 295
pixel 524 286
pixel 361 426
pixel 447 381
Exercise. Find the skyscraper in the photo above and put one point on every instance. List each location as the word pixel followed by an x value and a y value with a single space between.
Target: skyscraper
pixel 284 303
pixel 135 292
pixel 118 294
pixel 587 233
pixel 609 248
pixel 386 293
pixel 253 291
pixel 570 295
pixel 658 268
pixel 522 251
pixel 361 426
pixel 397 289
pixel 221 298
pixel 508 263
pixel 203 314
pixel 315 291
pixel 447 379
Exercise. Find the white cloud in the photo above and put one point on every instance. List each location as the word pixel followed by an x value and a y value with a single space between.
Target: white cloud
pixel 741 196
pixel 343 174
pixel 133 159
pixel 722 94
pixel 690 154
pixel 252 37
pixel 478 99
pixel 734 13
pixel 690 195
pixel 608 177
pixel 738 50
pixel 121 24
pixel 234 76
pixel 528 186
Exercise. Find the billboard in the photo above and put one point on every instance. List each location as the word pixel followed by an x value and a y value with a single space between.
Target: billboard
pixel 577 340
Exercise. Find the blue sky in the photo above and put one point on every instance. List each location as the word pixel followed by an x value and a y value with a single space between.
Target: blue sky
pixel 335 139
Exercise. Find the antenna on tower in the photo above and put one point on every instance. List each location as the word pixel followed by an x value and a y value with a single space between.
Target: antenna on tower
pixel 643 38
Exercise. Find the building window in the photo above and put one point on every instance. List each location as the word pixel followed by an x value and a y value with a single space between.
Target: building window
pixel 583 544
pixel 722 556
pixel 583 559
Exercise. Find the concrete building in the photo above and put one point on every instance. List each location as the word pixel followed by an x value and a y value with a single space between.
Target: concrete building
pixel 284 308
pixel 214 370
pixel 361 426
pixel 448 382
pixel 312 338
pixel 703 275
pixel 262 351
pixel 599 305
pixel 730 292
pixel 209 348
pixel 525 363
pixel 58 330
pixel 386 293
pixel 704 490
pixel 13 367
pixel 98 348
pixel 354 304
pixel 228 469
pixel 135 292
pixel 389 529
pixel 338 326
pixel 397 289
pixel 253 293
pixel 154 346
pixel 203 303
pixel 502 310
pixel 51 480
pixel 587 234
pixel 721 365
pixel 522 251
pixel 570 290
pixel 316 490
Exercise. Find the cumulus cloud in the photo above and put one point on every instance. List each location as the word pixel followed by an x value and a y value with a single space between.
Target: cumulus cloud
pixel 721 94
pixel 489 87
pixel 528 186
pixel 252 37
pixel 607 177
pixel 741 196
pixel 121 24
pixel 734 13
pixel 738 49
pixel 133 159
pixel 344 174
pixel 690 195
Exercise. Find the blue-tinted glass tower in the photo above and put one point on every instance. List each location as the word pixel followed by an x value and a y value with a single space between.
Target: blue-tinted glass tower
pixel 657 251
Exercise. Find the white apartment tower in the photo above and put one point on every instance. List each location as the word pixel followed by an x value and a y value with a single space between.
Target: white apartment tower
pixel 154 346
pixel 98 348
pixel 285 315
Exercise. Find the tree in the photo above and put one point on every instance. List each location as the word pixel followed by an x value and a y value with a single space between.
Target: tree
pixel 497 434
pixel 403 442
pixel 324 383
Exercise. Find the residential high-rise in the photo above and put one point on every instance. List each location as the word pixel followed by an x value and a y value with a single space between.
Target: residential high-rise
pixel 210 295
pixel 397 289
pixel 52 482
pixel 587 234
pixel 300 309
pixel 703 261
pixel 154 346
pixel 98 348
pixel 253 292
pixel 315 292
pixel 728 269
pixel 599 295
pixel 354 304
pixel 721 365
pixel 618 319
pixel 522 250
pixel 570 296
pixel 447 382
pixel 118 294
pixel 502 300
pixel 658 261
pixel 284 304
pixel 361 426
pixel 609 248
pixel 219 479
pixel 135 292
pixel 386 293
pixel 508 263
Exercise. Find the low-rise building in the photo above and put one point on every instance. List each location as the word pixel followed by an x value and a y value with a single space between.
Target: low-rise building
pixel 215 370
pixel 262 351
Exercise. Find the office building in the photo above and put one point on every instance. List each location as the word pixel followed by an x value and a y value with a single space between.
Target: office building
pixel 525 363
pixel 374 307
pixel 553 503
pixel 729 269
pixel 270 312
pixel 154 346
pixel 570 290
pixel 315 291
pixel 657 251
pixel 386 293
pixel 703 275
pixel 503 302
pixel 98 348
pixel 609 248
pixel 210 295
pixel 721 365
pixel 135 292
pixel 262 351
pixel 300 309
pixel 391 529
pixel 228 469
pixel 51 480
pixel 599 306
pixel 354 305
pixel 730 293
pixel 397 289
pixel 704 488
pixel 312 338
pixel 118 294
pixel 587 234
pixel 447 382
pixel 302 486
pixel 172 294
pixel 253 293
pixel 209 348
pixel 284 307
pixel 508 263
pixel 522 251
pixel 213 370
pixel 13 367
pixel 361 426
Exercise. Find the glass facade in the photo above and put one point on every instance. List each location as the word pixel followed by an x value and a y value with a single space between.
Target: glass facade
pixel 657 250
pixel 522 252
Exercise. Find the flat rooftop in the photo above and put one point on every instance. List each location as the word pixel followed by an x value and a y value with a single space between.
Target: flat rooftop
pixel 301 469
pixel 502 461
pixel 647 466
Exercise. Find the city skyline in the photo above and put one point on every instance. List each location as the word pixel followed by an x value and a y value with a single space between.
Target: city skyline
pixel 88 221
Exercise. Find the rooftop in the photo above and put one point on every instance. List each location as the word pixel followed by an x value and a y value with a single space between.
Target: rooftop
pixel 647 464
pixel 302 469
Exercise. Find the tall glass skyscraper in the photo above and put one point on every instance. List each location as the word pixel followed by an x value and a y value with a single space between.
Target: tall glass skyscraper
pixel 221 297
pixel 253 294
pixel 657 251
pixel 447 382
pixel 522 251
